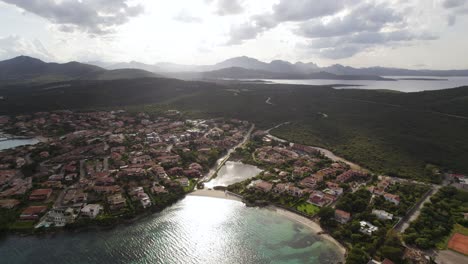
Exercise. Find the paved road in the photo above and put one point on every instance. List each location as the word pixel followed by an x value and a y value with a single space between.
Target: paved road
pixel 414 214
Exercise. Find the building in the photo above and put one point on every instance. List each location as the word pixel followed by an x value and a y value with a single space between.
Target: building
pixel 342 216
pixel 392 198
pixel 367 228
pixel 91 210
pixel 261 185
pixel 40 194
pixel 116 201
pixel 33 212
pixel 382 215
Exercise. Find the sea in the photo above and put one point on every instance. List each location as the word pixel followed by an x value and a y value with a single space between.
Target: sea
pixel 194 230
pixel 402 83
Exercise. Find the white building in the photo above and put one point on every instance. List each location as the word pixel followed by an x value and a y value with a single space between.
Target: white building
pixel 382 215
pixel 91 210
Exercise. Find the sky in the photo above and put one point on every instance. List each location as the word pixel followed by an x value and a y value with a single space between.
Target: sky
pixel 392 33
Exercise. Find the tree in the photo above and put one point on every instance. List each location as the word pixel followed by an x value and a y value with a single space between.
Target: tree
pixel 327 215
pixel 357 256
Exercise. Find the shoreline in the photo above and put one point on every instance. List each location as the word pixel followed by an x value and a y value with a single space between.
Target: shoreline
pixel 309 223
pixel 214 194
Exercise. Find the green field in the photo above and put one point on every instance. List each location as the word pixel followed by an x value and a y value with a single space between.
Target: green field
pixel 308 208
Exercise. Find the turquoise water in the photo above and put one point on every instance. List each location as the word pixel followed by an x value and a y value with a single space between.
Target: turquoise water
pixel 12 143
pixel 195 230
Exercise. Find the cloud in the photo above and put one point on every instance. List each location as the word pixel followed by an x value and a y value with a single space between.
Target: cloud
pixel 185 17
pixel 453 3
pixel 284 11
pixel 364 18
pixel 455 8
pixel 92 16
pixel 341 47
pixel 227 7
pixel 13 46
pixel 300 10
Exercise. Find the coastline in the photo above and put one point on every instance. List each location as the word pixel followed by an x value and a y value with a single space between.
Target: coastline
pixel 214 194
pixel 309 223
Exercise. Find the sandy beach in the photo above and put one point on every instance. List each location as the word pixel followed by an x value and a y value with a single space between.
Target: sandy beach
pixel 316 228
pixel 215 194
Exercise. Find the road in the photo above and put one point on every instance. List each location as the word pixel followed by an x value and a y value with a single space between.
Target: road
pixel 415 213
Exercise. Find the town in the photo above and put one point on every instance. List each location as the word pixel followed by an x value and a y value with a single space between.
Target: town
pixel 103 168
pixel 100 167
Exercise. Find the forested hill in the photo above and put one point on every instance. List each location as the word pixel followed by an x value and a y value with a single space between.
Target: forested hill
pixel 403 134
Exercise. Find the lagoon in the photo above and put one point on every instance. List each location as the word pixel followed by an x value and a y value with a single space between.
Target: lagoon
pixel 13 143
pixel 233 172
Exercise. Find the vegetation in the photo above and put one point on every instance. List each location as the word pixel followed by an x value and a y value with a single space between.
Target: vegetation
pixel 400 134
pixel 409 195
pixel 437 219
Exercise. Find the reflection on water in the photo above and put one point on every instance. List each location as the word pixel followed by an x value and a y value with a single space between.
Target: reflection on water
pixel 195 230
pixel 233 172
pixel 400 85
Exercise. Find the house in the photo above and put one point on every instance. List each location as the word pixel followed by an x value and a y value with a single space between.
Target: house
pixel 261 185
pixel 392 198
pixel 60 217
pixel 350 174
pixel 33 212
pixel 158 189
pixel 40 194
pixel 342 216
pixel 192 173
pixel 319 199
pixel 367 228
pixel 382 215
pixel 116 201
pixel 309 182
pixel 184 182
pixel 144 200
pixel 91 210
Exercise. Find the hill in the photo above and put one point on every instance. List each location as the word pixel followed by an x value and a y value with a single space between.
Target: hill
pixel 28 68
pixel 24 69
pixel 120 74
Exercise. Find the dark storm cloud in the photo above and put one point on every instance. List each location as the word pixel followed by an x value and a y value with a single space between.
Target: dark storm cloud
pixel 92 16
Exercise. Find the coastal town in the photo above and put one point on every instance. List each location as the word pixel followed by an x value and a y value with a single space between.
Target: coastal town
pixel 100 167
pixel 103 168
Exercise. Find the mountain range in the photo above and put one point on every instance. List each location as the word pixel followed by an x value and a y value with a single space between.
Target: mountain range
pixel 280 66
pixel 24 69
